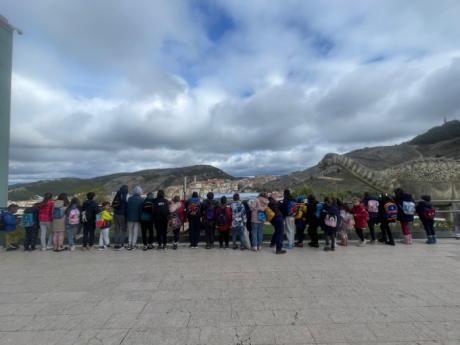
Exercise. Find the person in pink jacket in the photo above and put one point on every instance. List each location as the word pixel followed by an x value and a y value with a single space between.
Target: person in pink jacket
pixel 361 218
pixel 258 219
pixel 45 217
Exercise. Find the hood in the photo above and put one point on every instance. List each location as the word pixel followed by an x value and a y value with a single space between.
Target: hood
pixel 124 189
pixel 137 190
pixel 59 203
pixel 263 201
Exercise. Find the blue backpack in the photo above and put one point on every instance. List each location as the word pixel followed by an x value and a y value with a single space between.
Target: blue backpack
pixel 58 213
pixel 319 208
pixel 28 220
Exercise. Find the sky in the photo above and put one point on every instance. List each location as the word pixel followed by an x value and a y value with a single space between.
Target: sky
pixel 249 86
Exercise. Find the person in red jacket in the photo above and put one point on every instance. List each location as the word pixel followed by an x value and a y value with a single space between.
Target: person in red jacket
pixel 224 222
pixel 361 217
pixel 45 218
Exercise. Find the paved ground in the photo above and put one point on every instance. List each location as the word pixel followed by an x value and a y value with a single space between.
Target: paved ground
pixel 371 295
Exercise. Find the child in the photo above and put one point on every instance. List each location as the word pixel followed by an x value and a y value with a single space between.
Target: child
pixel 330 216
pixel 45 217
pixel 30 224
pixel 300 221
pixel 89 211
pixel 176 218
pixel 238 221
pixel 347 223
pixel 406 211
pixel 73 222
pixel 58 225
pixel 426 213
pixel 224 221
pixel 361 217
pixel 9 226
pixel 106 220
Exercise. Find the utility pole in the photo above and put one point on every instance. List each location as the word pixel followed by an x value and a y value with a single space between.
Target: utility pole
pixel 6 58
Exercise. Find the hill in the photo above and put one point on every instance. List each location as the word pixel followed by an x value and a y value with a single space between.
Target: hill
pixel 438 142
pixel 150 180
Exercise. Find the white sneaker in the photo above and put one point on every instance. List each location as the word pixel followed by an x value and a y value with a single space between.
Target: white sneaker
pixel 43 249
pixel 72 248
pixel 361 243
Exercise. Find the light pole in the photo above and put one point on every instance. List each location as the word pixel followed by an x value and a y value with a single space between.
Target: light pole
pixel 6 54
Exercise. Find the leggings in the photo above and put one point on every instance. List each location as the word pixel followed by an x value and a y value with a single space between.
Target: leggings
pixel 162 230
pixel 360 233
pixel 405 227
pixel 223 237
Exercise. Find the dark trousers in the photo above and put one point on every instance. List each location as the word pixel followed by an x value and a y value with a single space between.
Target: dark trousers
pixel 223 237
pixel 176 233
pixel 371 223
pixel 209 229
pixel 313 231
pixel 194 230
pixel 31 237
pixel 429 226
pixel 387 236
pixel 249 227
pixel 330 234
pixel 300 226
pixel 147 229
pixel 360 233
pixel 88 234
pixel 278 224
pixel 162 231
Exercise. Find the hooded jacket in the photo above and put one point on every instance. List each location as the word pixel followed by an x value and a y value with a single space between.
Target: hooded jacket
pixel 45 213
pixel 134 209
pixel 361 216
pixel 258 204
pixel 399 201
pixel 120 201
pixel 423 205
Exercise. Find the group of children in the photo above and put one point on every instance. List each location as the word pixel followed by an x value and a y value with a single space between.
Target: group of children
pixel 244 220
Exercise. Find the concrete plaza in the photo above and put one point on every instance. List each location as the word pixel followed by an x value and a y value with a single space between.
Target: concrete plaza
pixel 371 295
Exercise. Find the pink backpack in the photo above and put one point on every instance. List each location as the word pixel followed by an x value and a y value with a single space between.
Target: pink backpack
pixel 74 216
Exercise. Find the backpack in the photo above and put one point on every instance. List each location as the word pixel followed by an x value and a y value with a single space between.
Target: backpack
pixel 74 216
pixel 391 212
pixel 301 211
pixel 209 212
pixel 7 220
pixel 193 209
pixel 28 220
pixel 292 208
pixel 102 223
pixel 408 208
pixel 429 213
pixel 262 215
pixel 147 207
pixel 330 220
pixel 373 206
pixel 319 208
pixel 58 213
pixel 222 219
pixel 269 214
pixel 174 221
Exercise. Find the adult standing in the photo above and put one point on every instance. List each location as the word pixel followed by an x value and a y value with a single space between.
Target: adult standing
pixel 120 210
pixel 193 210
pixel 313 220
pixel 289 209
pixel 278 224
pixel 147 222
pixel 406 211
pixel 160 217
pixel 371 204
pixel 45 217
pixel 89 211
pixel 134 210
pixel 258 218
pixel 426 213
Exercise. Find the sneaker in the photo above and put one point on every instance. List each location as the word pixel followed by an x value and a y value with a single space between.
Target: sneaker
pixel 326 249
pixel 194 247
pixel 49 248
pixel 390 243
pixel 150 246
pixel 145 248
pixel 282 251
pixel 272 245
pixel 361 243
pixel 10 248
pixel 72 248
pixel 101 248
pixel 288 246
pixel 381 240
pixel 299 245
pixel 174 246
pixel 129 248
pixel 254 249
pixel 372 242
pixel 43 249
pixel 208 246
pixel 235 247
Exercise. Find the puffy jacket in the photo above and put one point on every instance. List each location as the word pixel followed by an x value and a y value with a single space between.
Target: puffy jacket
pixel 285 206
pixel 382 201
pixel 361 216
pixel 311 212
pixel 134 209
pixel 258 204
pixel 160 209
pixel 9 221
pixel 209 207
pixel 120 202
pixel 45 214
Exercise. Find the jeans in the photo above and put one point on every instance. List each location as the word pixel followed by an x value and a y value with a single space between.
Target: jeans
pixel 147 225
pixel 278 224
pixel 31 237
pixel 428 225
pixel 237 231
pixel 104 239
pixel 257 234
pixel 88 234
pixel 133 231
pixel 120 228
pixel 194 230
pixel 71 230
pixel 209 229
pixel 45 229
pixel 290 230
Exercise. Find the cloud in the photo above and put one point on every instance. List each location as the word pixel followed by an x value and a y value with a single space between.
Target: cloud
pixel 247 86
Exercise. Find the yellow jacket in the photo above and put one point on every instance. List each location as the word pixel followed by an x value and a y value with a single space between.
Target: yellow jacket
pixel 106 215
pixel 301 212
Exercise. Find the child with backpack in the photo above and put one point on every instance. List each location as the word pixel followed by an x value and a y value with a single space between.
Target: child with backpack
pixel 224 222
pixel 45 217
pixel 73 219
pixel 388 213
pixel 330 217
pixel 300 221
pixel 361 217
pixel 104 222
pixel 8 225
pixel 347 223
pixel 58 225
pixel 238 221
pixel 313 220
pixel 426 213
pixel 406 212
pixel 289 210
pixel 31 225
pixel 89 211
pixel 176 218
pixel 208 208
pixel 372 206
pixel 193 211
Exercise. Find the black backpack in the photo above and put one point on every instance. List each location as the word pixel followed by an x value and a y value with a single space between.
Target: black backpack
pixel 222 219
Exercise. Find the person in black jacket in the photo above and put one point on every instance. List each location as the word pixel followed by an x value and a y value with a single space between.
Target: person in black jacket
pixel 426 213
pixel 120 210
pixel 208 209
pixel 406 211
pixel 312 221
pixel 278 224
pixel 160 217
pixel 386 235
pixel 331 218
pixel 89 211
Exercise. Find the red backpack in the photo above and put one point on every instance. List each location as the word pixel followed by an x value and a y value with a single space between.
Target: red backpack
pixel 429 213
